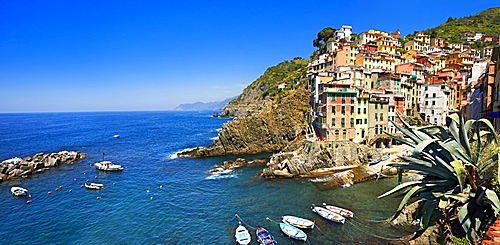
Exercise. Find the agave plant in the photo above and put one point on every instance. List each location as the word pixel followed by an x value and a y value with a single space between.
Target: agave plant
pixel 457 170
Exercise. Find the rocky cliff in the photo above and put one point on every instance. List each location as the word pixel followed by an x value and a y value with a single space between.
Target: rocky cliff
pixel 270 114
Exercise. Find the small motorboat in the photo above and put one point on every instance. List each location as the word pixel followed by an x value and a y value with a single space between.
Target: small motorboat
pixel 342 211
pixel 18 191
pixel 298 222
pixel 383 158
pixel 116 136
pixel 108 166
pixel 264 237
pixel 242 236
pixel 293 232
pixel 95 186
pixel 327 214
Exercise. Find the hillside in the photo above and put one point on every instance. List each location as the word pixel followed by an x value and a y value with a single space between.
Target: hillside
pixel 487 21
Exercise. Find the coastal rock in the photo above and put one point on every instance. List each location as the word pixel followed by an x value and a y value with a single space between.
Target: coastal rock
pixel 23 167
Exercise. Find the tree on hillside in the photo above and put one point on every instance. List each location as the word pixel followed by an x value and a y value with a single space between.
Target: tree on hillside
pixel 323 36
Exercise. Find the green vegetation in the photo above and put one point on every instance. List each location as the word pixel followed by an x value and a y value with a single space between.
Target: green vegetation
pixel 292 73
pixel 487 21
pixel 458 163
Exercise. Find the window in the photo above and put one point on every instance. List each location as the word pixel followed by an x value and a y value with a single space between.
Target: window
pixel 381 106
pixel 352 109
pixel 434 102
pixel 333 121
pixel 342 121
pixel 376 116
pixel 359 110
pixel 334 110
pixel 366 121
pixel 334 97
pixel 434 95
pixel 426 102
pixel 352 120
pixel 381 116
pixel 364 110
pixel 376 106
pixel 342 110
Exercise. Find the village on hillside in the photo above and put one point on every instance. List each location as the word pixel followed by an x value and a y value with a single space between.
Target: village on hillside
pixel 364 81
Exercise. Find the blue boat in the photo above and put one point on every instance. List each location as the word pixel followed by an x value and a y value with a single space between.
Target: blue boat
pixel 264 237
pixel 384 157
pixel 293 232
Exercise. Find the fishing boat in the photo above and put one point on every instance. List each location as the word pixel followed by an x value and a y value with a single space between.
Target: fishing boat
pixel 18 191
pixel 108 166
pixel 342 211
pixel 327 214
pixel 298 222
pixel 242 236
pixel 264 237
pixel 293 232
pixel 95 186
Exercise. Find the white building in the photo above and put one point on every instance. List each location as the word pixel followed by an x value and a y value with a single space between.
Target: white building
pixel 344 33
pixel 434 107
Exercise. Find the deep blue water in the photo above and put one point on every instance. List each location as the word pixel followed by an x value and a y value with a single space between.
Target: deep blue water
pixel 184 205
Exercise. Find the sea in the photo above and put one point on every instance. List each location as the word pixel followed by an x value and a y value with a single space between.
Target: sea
pixel 160 197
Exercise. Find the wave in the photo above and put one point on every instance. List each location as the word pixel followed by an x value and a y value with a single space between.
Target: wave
pixel 176 154
pixel 214 138
pixel 221 173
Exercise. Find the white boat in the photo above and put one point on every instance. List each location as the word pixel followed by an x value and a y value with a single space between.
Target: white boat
pixel 342 211
pixel 108 166
pixel 18 191
pixel 298 222
pixel 327 214
pixel 116 136
pixel 293 232
pixel 242 236
pixel 94 186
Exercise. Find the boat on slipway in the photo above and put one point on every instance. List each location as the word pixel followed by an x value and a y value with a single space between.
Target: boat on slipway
pixel 298 222
pixel 242 236
pixel 264 237
pixel 293 232
pixel 18 191
pixel 327 214
pixel 342 211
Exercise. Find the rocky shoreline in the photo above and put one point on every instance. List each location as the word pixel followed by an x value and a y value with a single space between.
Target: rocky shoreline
pixel 23 167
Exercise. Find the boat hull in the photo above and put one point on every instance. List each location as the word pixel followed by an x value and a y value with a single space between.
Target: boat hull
pixel 329 215
pixel 293 232
pixel 298 222
pixel 242 236
pixel 264 237
pixel 108 166
pixel 342 211
pixel 18 191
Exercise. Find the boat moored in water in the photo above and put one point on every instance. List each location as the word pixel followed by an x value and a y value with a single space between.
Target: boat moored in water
pixel 108 166
pixel 342 211
pixel 18 191
pixel 264 237
pixel 242 236
pixel 327 214
pixel 298 222
pixel 95 186
pixel 293 232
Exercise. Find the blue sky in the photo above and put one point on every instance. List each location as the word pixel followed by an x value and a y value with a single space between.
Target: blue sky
pixel 111 55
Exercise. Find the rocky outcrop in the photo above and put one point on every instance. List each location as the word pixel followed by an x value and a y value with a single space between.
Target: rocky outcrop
pixel 23 167
pixel 276 127
pixel 239 162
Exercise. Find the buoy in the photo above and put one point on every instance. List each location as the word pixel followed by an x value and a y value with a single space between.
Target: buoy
pixel 95 177
pixel 28 201
pixel 30 195
pixel 114 183
pixel 60 187
pixel 70 190
pixel 49 192
pixel 74 179
pixel 84 173
pixel 151 198
pixel 161 186
pixel 81 186
pixel 56 189
pixel 86 180
pixel 97 198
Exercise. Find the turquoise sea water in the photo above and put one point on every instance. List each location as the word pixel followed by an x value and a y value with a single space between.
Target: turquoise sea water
pixel 160 198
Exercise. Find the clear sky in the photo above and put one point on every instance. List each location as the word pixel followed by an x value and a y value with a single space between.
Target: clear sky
pixel 154 55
